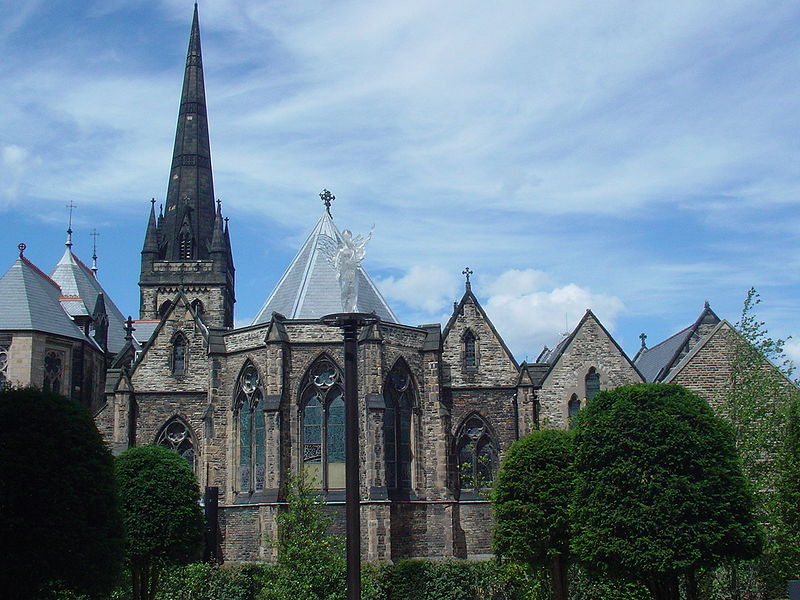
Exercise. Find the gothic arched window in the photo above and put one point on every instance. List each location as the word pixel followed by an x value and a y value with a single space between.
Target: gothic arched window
pixel 53 371
pixel 322 417
pixel 398 395
pixel 477 455
pixel 592 383
pixel 573 408
pixel 252 431
pixel 164 308
pixel 175 435
pixel 178 355
pixel 197 307
pixel 470 357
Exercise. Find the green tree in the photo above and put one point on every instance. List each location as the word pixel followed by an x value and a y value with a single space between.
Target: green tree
pixel 531 503
pixel 787 537
pixel 311 564
pixel 159 501
pixel 659 489
pixel 58 507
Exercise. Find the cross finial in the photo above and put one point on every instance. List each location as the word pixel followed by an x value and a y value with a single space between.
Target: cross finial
pixel 21 247
pixel 467 272
pixel 707 305
pixel 94 235
pixel 129 329
pixel 327 198
pixel 643 337
pixel 70 206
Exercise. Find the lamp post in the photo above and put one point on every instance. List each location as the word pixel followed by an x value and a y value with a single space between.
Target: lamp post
pixel 350 324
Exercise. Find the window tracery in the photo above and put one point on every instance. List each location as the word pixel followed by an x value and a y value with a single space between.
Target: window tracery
pixel 176 436
pixel 53 371
pixel 477 455
pixel 398 395
pixel 252 431
pixel 4 348
pixel 322 418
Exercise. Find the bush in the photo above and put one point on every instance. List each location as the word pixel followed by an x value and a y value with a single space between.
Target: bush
pixel 159 501
pixel 203 581
pixel 58 505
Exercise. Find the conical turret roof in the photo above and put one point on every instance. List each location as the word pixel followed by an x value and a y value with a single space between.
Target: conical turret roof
pixel 309 289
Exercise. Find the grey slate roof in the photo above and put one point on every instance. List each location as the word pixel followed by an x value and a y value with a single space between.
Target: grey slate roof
pixel 80 288
pixel 309 288
pixel 143 331
pixel 652 361
pixel 30 301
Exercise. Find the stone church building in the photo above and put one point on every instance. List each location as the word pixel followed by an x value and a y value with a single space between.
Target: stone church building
pixel 438 406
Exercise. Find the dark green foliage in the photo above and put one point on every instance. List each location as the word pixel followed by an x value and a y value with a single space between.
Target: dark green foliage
pixel 659 487
pixel 58 508
pixel 787 540
pixel 311 564
pixel 162 519
pixel 531 498
pixel 203 581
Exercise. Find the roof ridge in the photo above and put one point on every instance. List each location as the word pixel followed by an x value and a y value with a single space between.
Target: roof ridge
pixel 44 275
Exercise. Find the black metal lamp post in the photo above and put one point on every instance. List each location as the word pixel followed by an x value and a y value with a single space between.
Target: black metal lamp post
pixel 350 324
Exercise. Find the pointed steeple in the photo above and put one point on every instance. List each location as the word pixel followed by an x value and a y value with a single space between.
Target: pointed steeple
pixel 187 229
pixel 218 241
pixel 151 237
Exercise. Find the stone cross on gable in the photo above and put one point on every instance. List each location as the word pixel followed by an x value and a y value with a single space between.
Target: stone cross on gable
pixel 467 272
pixel 643 337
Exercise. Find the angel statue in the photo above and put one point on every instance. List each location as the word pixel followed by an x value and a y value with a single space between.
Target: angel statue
pixel 346 258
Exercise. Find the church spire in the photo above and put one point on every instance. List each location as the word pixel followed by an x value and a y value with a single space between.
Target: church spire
pixel 187 228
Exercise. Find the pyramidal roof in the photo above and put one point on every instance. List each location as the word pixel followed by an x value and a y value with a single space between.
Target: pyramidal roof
pixel 79 291
pixel 30 301
pixel 309 288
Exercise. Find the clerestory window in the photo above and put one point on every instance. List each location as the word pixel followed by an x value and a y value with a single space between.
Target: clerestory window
pixel 398 395
pixel 252 431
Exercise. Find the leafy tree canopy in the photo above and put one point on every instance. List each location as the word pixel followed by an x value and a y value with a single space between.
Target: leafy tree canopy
pixel 659 487
pixel 57 498
pixel 159 501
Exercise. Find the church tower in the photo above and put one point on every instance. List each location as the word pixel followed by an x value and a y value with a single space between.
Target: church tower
pixel 187 248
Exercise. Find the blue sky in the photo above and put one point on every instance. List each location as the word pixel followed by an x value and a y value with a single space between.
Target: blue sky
pixel 633 158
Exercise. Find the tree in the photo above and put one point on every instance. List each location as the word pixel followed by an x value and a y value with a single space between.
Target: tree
pixel 58 507
pixel 531 503
pixel 659 490
pixel 787 538
pixel 159 501
pixel 311 564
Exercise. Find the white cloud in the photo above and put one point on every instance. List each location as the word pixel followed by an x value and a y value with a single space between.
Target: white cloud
pixel 792 350
pixel 529 317
pixel 14 161
pixel 425 288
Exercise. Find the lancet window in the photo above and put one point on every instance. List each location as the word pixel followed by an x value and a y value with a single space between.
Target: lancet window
pixel 573 408
pixel 470 358
pixel 398 395
pixel 322 417
pixel 176 436
pixel 592 383
pixel 477 455
pixel 53 371
pixel 178 355
pixel 252 431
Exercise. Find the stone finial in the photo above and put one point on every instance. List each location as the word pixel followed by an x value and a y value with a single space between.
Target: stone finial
pixel 327 198
pixel 129 329
pixel 21 247
pixel 70 206
pixel 706 305
pixel 643 337
pixel 95 235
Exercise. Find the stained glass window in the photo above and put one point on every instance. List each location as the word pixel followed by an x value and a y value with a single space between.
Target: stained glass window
pixel 252 432
pixel 53 371
pixel 398 396
pixel 323 426
pixel 175 436
pixel 469 350
pixel 477 455
pixel 592 383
